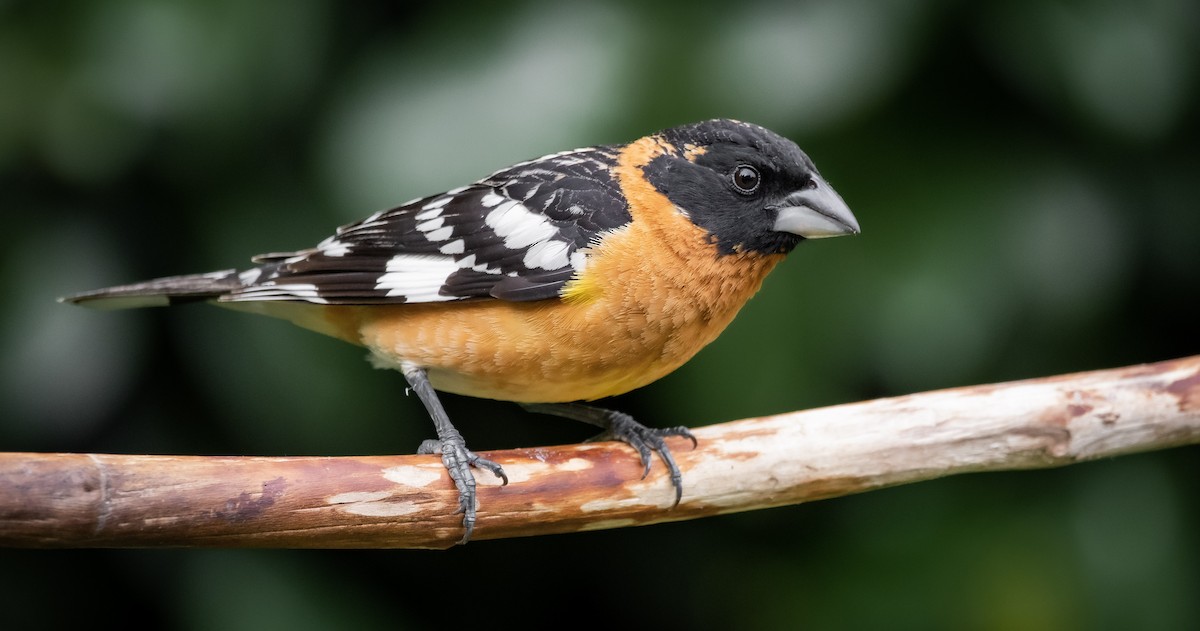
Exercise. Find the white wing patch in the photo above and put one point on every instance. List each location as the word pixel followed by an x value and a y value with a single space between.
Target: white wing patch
pixel 548 255
pixel 417 277
pixel 579 260
pixel 437 203
pixel 468 262
pixel 518 226
pixel 490 200
pixel 441 234
pixel 333 247
pixel 457 246
pixel 431 224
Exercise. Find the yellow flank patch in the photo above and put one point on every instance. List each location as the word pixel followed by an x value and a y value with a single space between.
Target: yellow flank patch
pixel 581 288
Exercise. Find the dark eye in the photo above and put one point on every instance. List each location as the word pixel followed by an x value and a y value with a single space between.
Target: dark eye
pixel 745 178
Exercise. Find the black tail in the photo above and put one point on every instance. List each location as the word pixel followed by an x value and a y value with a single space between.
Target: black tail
pixel 159 292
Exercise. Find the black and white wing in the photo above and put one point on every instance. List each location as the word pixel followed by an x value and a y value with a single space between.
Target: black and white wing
pixel 519 234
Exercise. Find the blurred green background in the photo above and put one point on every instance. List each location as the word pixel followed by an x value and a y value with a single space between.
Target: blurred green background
pixel 1025 174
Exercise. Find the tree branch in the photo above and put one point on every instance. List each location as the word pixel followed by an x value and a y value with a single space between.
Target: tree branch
pixel 94 500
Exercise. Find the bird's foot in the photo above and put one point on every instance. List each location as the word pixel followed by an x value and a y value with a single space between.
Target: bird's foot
pixel 645 440
pixel 458 461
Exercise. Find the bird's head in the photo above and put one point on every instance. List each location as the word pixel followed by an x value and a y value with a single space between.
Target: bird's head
pixel 748 187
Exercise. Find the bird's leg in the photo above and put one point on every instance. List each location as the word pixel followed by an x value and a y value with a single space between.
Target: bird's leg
pixel 453 449
pixel 622 427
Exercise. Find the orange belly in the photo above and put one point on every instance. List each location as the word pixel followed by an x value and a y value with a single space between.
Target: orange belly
pixel 531 352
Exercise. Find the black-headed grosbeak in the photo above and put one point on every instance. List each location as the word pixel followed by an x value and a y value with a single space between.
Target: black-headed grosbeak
pixel 572 277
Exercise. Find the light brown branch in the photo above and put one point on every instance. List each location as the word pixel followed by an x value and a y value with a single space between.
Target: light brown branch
pixel 78 500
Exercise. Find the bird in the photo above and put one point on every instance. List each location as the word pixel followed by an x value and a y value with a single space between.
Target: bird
pixel 551 283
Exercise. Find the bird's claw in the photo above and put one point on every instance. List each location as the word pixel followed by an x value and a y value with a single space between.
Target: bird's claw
pixel 458 461
pixel 645 440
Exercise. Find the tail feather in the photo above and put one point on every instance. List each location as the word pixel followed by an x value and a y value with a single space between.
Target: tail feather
pixel 159 292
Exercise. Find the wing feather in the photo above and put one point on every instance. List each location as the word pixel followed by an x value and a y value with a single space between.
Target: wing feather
pixel 520 234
